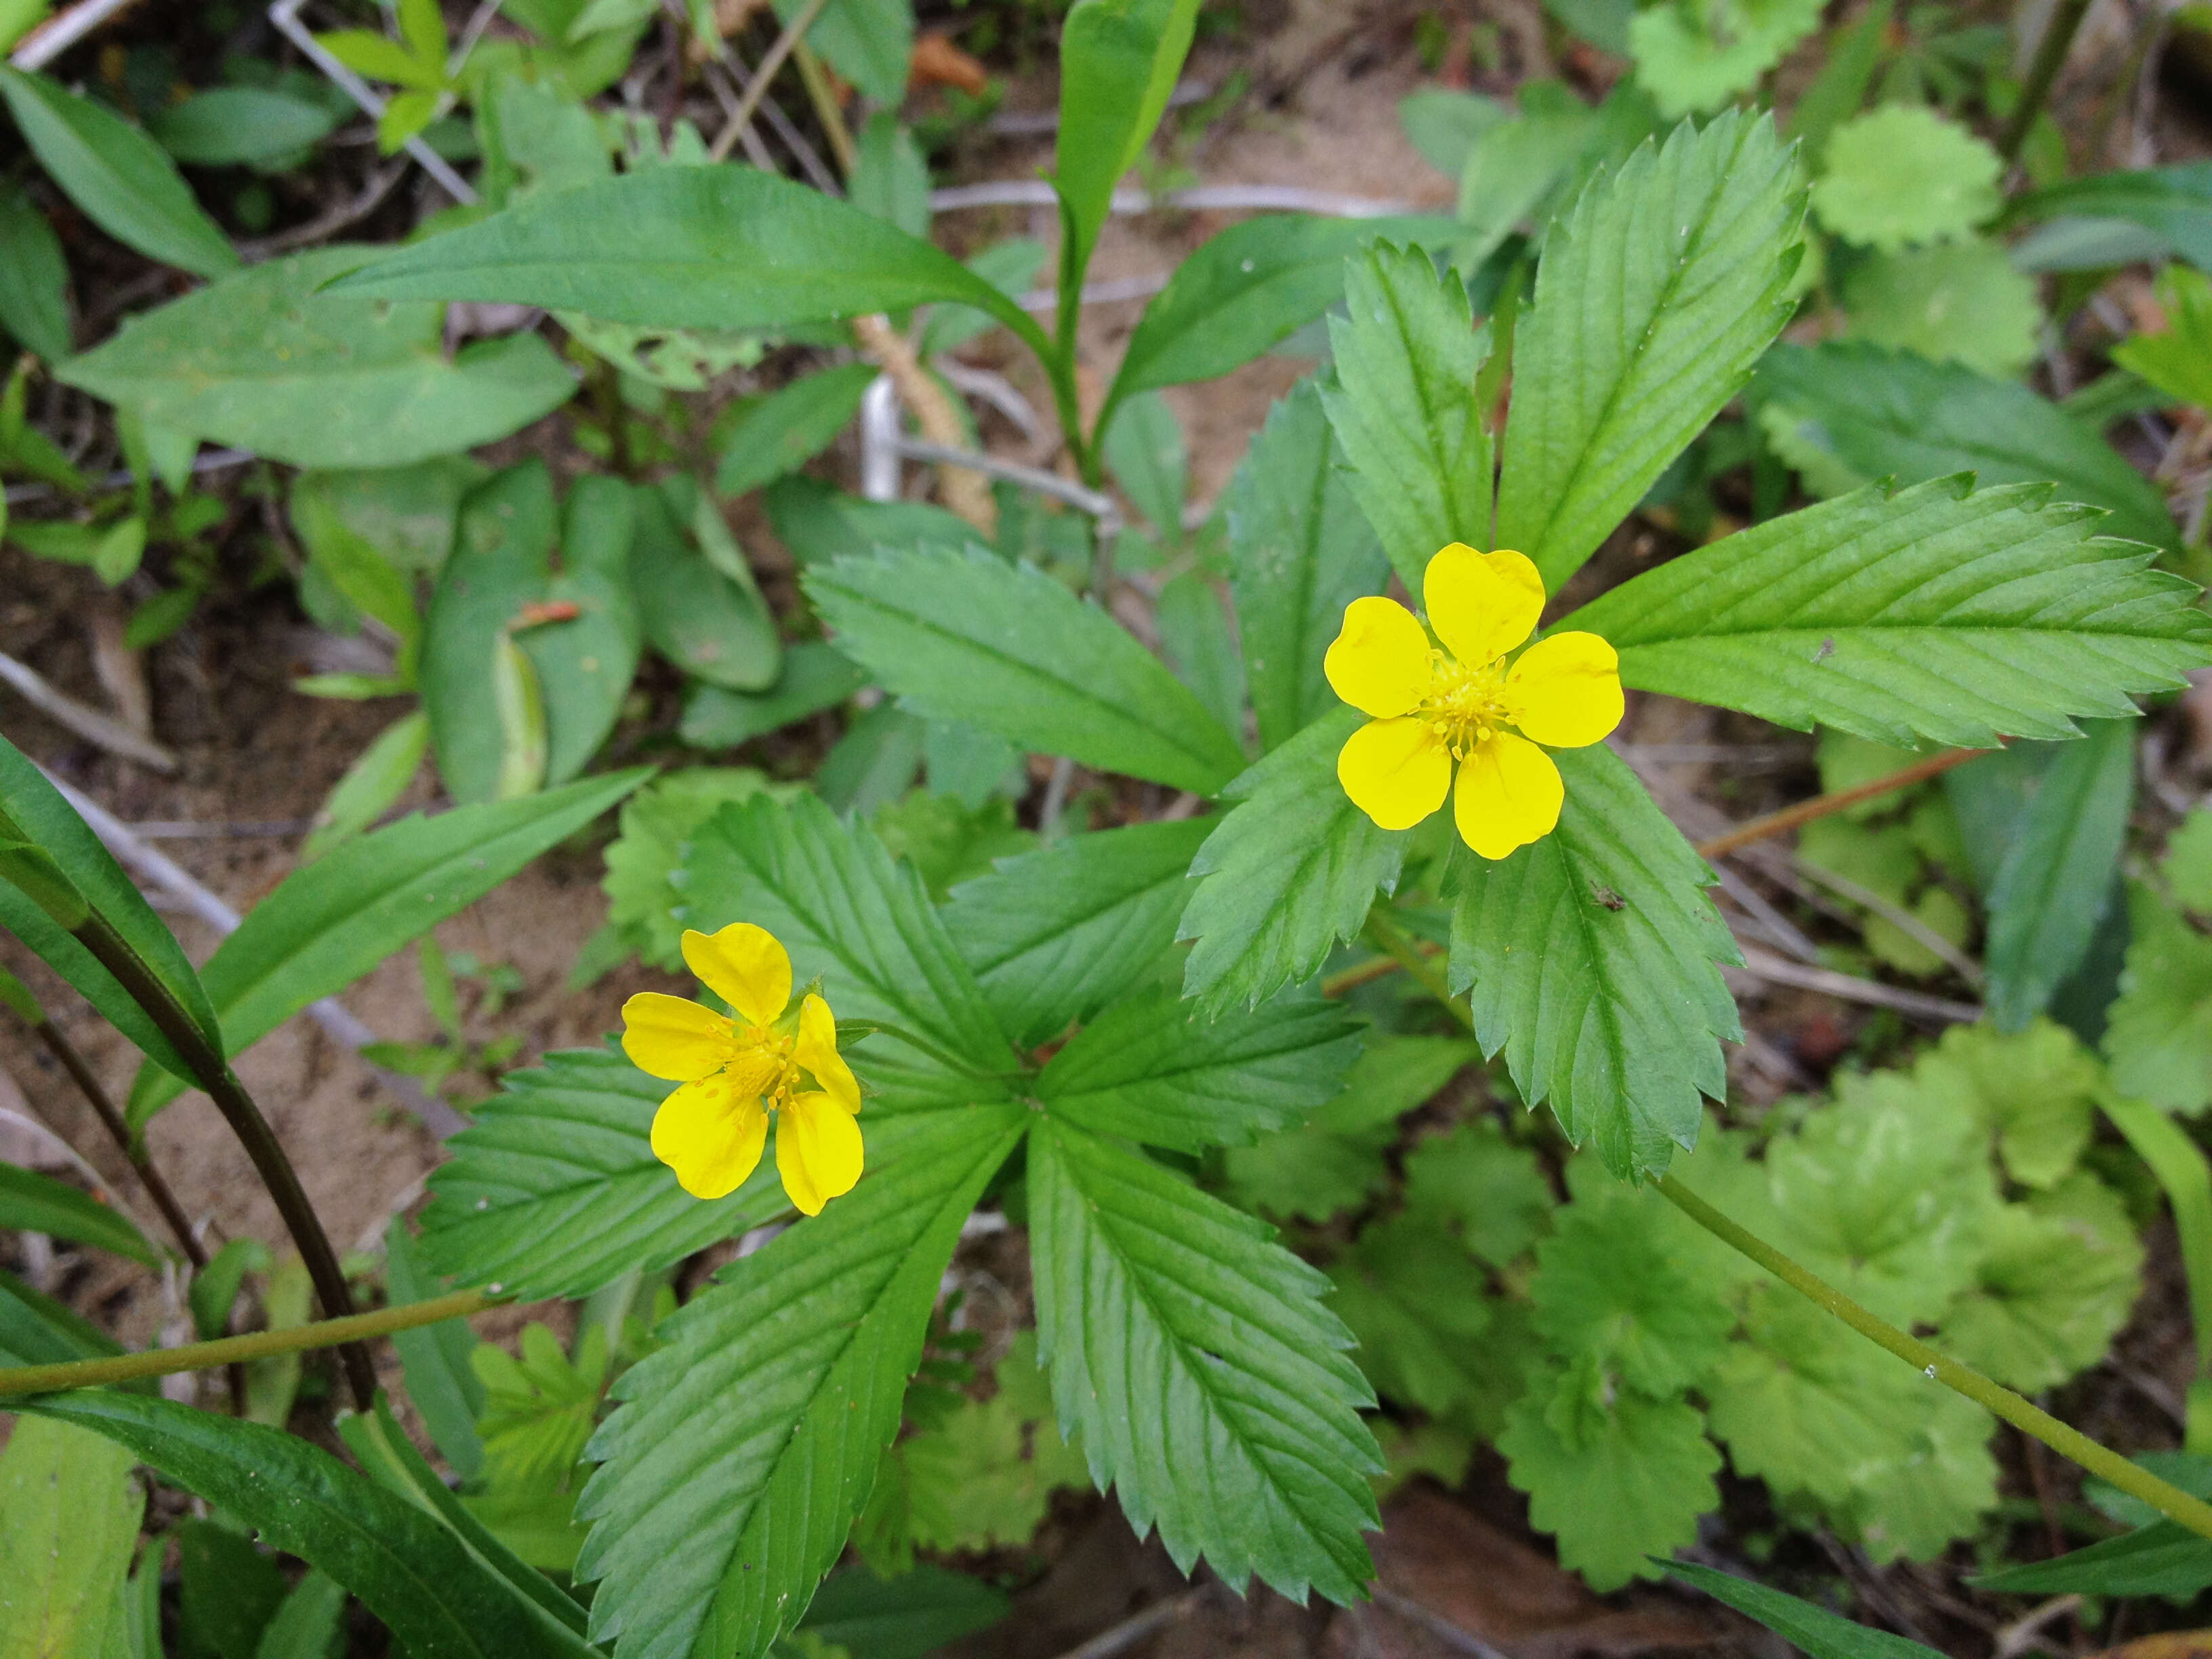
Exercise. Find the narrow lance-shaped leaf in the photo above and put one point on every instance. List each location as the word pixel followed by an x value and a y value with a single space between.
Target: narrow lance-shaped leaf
pixel 745 1446
pixel 33 278
pixel 553 1189
pixel 1933 614
pixel 117 174
pixel 1300 551
pixel 1404 406
pixel 31 1202
pixel 969 637
pixel 38 811
pixel 1291 871
pixel 1589 957
pixel 689 247
pixel 1818 1632
pixel 1657 293
pixel 1055 934
pixel 412 1572
pixel 330 923
pixel 1209 1382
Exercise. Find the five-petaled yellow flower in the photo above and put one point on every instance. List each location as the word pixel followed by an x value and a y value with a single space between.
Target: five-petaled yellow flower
pixel 1432 707
pixel 736 1070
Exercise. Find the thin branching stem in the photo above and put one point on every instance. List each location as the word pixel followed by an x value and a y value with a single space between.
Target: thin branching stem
pixel 2050 58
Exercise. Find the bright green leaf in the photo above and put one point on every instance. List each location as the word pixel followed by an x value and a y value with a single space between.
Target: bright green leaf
pixel 1962 302
pixel 377 777
pixel 2159 1035
pixel 1411 1294
pixel 970 1487
pixel 2178 358
pixel 868 42
pixel 788 427
pixel 1902 174
pixel 1492 1195
pixel 1815 1632
pixel 33 1203
pixel 2059 1277
pixel 1691 61
pixel 240 126
pixel 68 1518
pixel 33 278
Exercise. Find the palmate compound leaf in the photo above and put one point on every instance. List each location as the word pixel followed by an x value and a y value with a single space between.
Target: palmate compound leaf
pixel 745 1448
pixel 1208 1381
pixel 1939 613
pixel 553 1188
pixel 1055 934
pixel 1818 1412
pixel 846 912
pixel 1615 1475
pixel 1656 293
pixel 1300 551
pixel 967 637
pixel 1403 406
pixel 1289 872
pixel 1151 1070
pixel 1589 957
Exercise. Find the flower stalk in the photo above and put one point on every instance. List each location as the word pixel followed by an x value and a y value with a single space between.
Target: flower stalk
pixel 2030 1419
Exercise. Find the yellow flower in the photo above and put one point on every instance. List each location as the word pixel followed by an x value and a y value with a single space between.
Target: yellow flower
pixel 1432 707
pixel 735 1072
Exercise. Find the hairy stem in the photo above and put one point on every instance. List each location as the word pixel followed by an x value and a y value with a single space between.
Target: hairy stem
pixel 349 1332
pixel 2050 58
pixel 2071 1443
pixel 1394 941
pixel 213 1073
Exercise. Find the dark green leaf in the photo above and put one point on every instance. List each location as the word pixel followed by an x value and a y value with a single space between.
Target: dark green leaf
pixel 874 763
pixel 1146 454
pixel 903 1618
pixel 39 810
pixel 33 1203
pixel 232 126
pixel 705 615
pixel 435 1358
pixel 2163 1558
pixel 1197 642
pixel 1119 61
pixel 1290 871
pixel 215 1287
pixel 816 676
pixel 263 361
pixel 818 523
pixel 1056 934
pixel 1657 293
pixel 1404 406
pixel 1300 551
pixel 1589 957
pixel 745 1446
pixel 305 1625
pixel 37 1330
pixel 1933 613
pixel 1150 1070
pixel 889 178
pixel 1247 289
pixel 117 174
pixel 229 1589
pixel 432 1592
pixel 1871 414
pixel 830 892
pixel 783 431
pixel 553 1189
pixel 1208 1381
pixel 331 922
pixel 689 247
pixel 1816 1631
pixel 967 637
pixel 2174 203
pixel 866 41
pixel 33 278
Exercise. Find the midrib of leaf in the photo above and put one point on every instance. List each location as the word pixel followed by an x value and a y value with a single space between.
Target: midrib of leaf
pixel 1114 712
pixel 1702 238
pixel 1197 1363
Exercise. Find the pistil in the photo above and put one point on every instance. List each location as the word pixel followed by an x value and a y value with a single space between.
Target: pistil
pixel 1463 706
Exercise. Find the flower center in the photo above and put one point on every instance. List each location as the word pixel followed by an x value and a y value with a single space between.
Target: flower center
pixel 1464 706
pixel 761 1063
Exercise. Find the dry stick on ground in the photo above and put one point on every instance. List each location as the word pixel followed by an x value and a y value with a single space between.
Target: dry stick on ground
pixel 725 140
pixel 963 489
pixel 90 724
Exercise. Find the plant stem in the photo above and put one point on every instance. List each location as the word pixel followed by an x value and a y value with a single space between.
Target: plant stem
pixel 793 32
pixel 818 93
pixel 2169 1501
pixel 213 1073
pixel 1394 941
pixel 348 1332
pixel 1821 805
pixel 2050 58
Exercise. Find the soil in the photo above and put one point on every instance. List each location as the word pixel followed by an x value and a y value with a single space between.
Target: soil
pixel 1328 79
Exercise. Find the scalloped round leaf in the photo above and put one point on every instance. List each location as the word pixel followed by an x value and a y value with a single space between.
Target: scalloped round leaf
pixel 1961 302
pixel 1901 176
pixel 1689 70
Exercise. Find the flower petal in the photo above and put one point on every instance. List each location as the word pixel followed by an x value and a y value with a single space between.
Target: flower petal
pixel 673 1037
pixel 1397 771
pixel 1379 661
pixel 816 1052
pixel 710 1136
pixel 1564 691
pixel 746 967
pixel 1482 604
pixel 818 1151
pixel 1510 794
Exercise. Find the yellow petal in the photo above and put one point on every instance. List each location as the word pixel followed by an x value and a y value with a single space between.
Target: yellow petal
pixel 1379 661
pixel 816 1052
pixel 1508 795
pixel 710 1136
pixel 1396 771
pixel 672 1037
pixel 818 1151
pixel 1564 691
pixel 1482 604
pixel 746 967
